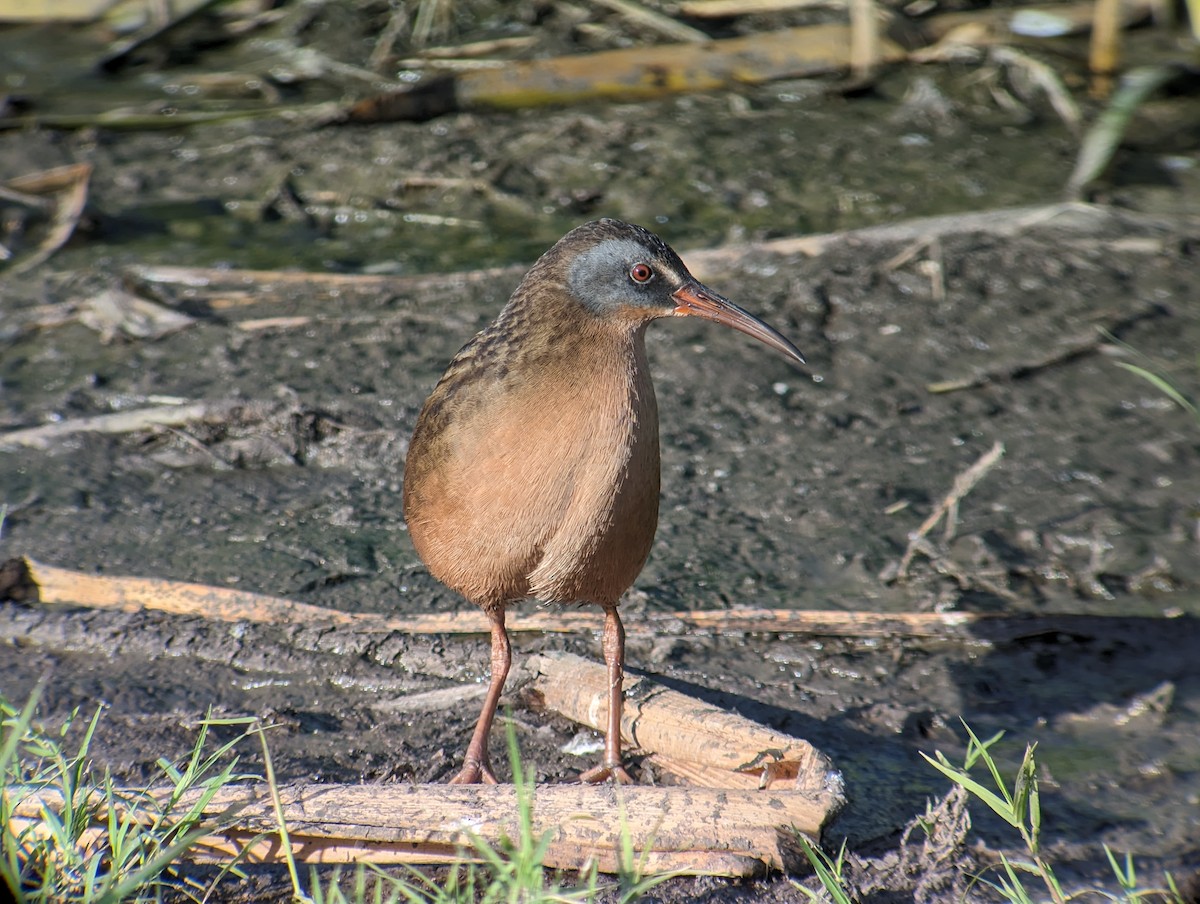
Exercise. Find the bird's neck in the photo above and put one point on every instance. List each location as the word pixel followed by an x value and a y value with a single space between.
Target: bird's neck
pixel 571 343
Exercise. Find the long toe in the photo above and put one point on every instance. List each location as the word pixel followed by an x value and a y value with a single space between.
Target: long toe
pixel 603 773
pixel 475 773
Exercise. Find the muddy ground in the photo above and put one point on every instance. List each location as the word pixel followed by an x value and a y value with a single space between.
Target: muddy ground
pixel 780 488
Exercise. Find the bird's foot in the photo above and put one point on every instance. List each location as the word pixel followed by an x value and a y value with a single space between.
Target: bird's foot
pixel 604 772
pixel 473 773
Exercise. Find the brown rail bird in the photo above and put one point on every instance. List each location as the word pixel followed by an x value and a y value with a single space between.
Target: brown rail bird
pixel 533 470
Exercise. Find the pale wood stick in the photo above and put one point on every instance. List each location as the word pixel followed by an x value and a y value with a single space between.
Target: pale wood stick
pixel 698 830
pixel 653 20
pixel 207 277
pixel 680 727
pixel 721 9
pixel 864 39
pixel 1001 222
pixel 478 49
pixel 30 581
pixel 118 422
pixel 1104 48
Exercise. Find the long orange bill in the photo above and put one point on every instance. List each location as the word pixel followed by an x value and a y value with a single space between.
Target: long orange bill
pixel 695 300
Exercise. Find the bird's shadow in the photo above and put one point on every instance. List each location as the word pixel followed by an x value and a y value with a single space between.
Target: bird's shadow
pixel 1058 689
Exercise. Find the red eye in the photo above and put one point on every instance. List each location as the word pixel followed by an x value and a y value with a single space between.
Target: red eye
pixel 641 273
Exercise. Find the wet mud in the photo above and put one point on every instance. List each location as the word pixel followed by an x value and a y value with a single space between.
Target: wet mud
pixel 781 488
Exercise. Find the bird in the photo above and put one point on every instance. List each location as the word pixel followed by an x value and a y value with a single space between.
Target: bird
pixel 533 469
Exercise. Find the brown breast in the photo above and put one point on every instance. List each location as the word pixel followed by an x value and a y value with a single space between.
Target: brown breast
pixel 536 473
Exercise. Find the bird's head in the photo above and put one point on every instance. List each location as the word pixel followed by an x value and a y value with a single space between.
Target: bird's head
pixel 617 269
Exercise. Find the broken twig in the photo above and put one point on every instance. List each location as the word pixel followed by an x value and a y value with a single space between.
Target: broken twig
pixel 653 20
pixel 948 508
pixel 66 191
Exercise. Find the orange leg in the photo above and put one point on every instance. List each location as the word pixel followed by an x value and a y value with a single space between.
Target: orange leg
pixel 476 765
pixel 614 658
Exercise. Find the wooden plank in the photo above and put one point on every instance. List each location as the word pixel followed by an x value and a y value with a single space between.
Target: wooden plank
pixel 697 830
pixel 682 728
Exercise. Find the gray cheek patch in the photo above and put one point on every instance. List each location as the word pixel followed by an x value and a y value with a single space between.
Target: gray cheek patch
pixel 599 277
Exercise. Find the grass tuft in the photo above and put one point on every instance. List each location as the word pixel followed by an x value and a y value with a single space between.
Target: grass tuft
pixel 91 841
pixel 1019 805
pixel 1021 808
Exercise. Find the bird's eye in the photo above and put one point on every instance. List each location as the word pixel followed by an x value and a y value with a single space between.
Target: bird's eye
pixel 641 273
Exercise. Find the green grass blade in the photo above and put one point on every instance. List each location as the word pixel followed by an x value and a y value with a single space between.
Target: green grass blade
pixel 999 805
pixel 984 754
pixel 1010 884
pixel 828 872
pixel 1162 386
pixel 1103 138
pixel 15 730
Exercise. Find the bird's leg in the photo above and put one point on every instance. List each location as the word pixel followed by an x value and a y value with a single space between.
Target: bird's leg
pixel 614 658
pixel 476 765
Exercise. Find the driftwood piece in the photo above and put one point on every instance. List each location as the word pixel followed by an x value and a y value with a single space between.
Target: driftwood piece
pixel 217 292
pixel 476 49
pixel 256 281
pixel 634 73
pixel 119 422
pixel 29 581
pixel 639 73
pixel 695 830
pixel 682 728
